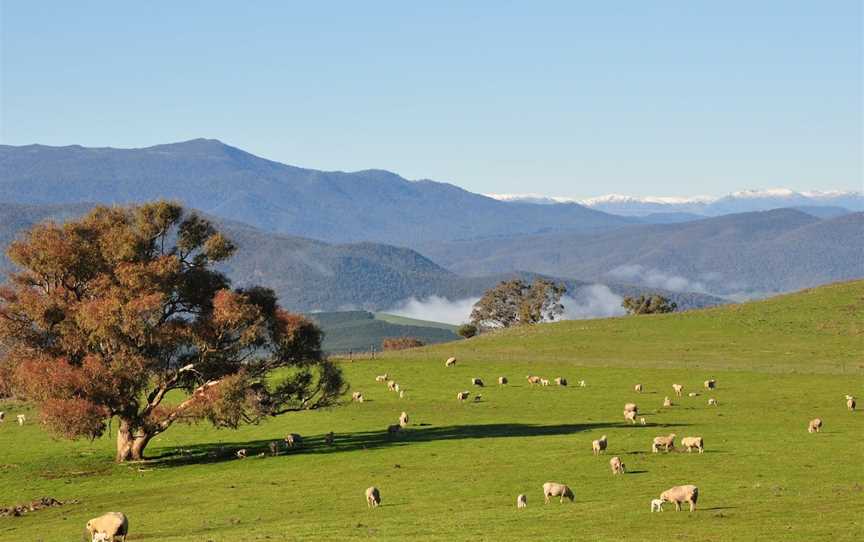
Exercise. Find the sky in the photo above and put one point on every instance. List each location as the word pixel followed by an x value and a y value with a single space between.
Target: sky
pixel 560 98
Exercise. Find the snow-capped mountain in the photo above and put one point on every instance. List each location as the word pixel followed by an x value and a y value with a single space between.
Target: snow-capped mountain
pixel 736 202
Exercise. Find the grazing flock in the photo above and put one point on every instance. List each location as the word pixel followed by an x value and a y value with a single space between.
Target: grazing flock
pixel 114 526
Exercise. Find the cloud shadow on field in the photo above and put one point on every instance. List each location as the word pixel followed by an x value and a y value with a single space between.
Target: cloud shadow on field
pixel 365 440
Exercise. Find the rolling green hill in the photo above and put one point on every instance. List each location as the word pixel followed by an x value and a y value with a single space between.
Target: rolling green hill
pixel 360 331
pixel 820 330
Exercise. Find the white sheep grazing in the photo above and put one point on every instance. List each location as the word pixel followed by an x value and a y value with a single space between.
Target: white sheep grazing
pixel 710 384
pixel 630 416
pixel 533 379
pixel 403 419
pixel 382 378
pixel 599 445
pixel 616 465
pixel 667 443
pixel 631 407
pixel 712 402
pixel 462 395
pixel 582 384
pixel 111 525
pixel 850 403
pixel 521 501
pixel 478 398
pixel 477 382
pixel 553 489
pixel 502 380
pixel 396 388
pixel 693 442
pixel 2 416
pixel 450 362
pixel 692 394
pixel 357 397
pixel 815 425
pixel 21 419
pixel 678 388
pixel 561 381
pixel 241 453
pixel 637 388
pixel 667 402
pixel 401 394
pixel 391 385
pixel 544 381
pixel 656 505
pixel 679 494
pixel 642 421
pixel 373 497
pixel 293 440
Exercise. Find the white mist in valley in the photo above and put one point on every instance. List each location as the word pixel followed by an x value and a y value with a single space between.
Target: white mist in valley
pixel 594 301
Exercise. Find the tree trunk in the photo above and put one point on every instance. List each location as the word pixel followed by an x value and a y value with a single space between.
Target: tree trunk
pixel 131 441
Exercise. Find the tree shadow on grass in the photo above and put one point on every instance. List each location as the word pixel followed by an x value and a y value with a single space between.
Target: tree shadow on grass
pixel 365 440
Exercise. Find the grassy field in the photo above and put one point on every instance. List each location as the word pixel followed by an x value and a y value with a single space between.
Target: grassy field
pixel 455 473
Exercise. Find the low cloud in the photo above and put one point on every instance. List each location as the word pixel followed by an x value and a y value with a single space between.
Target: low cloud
pixel 436 309
pixel 639 274
pixel 595 301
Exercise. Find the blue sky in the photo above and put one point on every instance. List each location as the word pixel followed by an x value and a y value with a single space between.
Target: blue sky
pixel 563 98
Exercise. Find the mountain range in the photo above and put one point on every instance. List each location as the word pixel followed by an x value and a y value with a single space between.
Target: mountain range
pixel 747 253
pixel 819 203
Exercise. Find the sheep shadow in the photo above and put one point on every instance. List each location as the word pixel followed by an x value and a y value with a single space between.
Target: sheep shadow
pixel 363 440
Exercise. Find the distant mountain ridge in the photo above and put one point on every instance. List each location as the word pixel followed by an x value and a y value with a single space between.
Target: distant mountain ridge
pixel 736 202
pixel 753 253
pixel 333 206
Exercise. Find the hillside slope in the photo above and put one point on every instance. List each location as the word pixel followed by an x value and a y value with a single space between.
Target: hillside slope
pixel 770 251
pixel 813 331
pixel 371 205
pixel 361 331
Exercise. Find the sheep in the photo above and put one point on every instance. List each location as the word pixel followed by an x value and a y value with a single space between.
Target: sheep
pixel 477 382
pixel 712 401
pixel 582 384
pixel 710 384
pixel 241 453
pixel 656 505
pixel 561 381
pixel 478 398
pixel 450 362
pixel 850 403
pixel 628 407
pixel 382 378
pixel 403 419
pixel 393 429
pixel 357 397
pixel 544 381
pixel 401 394
pixel 21 419
pixel 630 416
pixel 679 494
pixel 462 395
pixel 521 501
pixel 533 379
pixel 274 447
pixel 396 388
pixel 617 465
pixel 678 388
pixel 391 385
pixel 815 425
pixel 599 445
pixel 553 489
pixel 667 443
pixel 692 394
pixel 329 438
pixel 642 421
pixel 111 525
pixel 2 416
pixel 637 388
pixel 373 497
pixel 667 402
pixel 293 440
pixel 693 442
pixel 502 380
